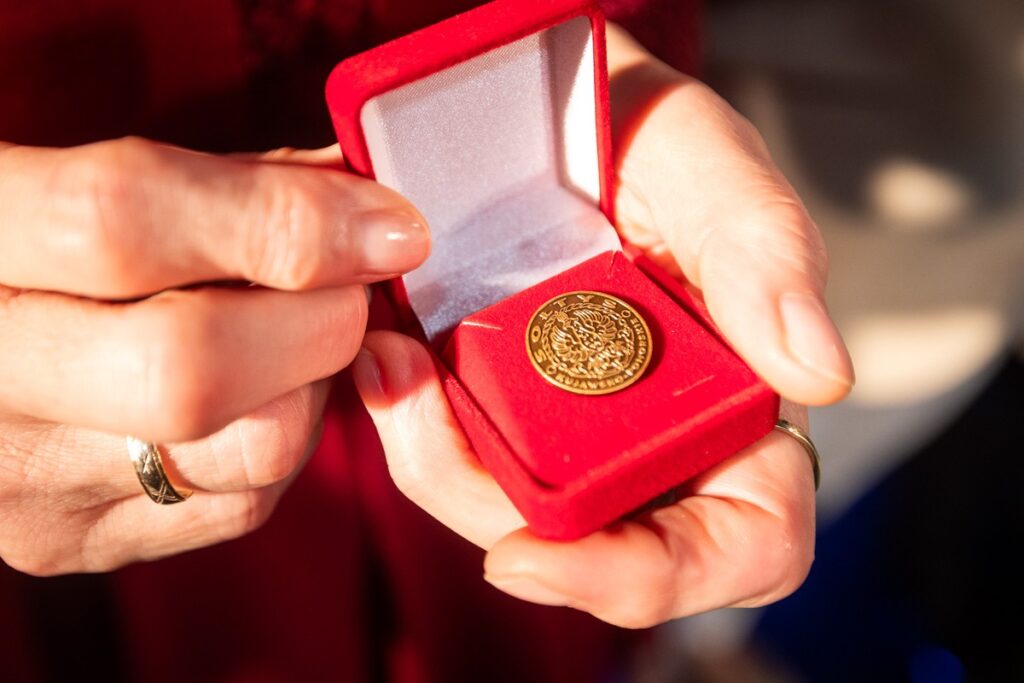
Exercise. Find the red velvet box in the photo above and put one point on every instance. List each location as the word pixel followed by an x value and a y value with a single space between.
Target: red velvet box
pixel 495 124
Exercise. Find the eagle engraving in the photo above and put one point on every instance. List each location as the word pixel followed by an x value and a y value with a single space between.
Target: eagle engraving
pixel 589 343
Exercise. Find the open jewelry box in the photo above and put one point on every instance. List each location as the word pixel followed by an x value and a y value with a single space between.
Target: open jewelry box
pixel 495 124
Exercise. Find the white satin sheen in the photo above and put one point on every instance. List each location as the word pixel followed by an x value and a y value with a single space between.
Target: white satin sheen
pixel 499 153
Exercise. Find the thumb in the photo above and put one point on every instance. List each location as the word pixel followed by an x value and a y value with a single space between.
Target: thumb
pixel 428 456
pixel 762 273
pixel 709 192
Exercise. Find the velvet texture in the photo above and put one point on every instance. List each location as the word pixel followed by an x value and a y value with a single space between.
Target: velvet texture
pixel 697 404
pixel 574 463
pixel 348 580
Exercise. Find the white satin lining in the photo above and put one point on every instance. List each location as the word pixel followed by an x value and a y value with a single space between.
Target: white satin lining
pixel 499 153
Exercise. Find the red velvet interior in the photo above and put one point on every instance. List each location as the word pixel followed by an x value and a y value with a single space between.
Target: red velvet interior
pixel 562 437
pixel 571 464
pixel 737 410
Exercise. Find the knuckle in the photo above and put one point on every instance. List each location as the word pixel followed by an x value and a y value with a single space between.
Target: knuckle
pixel 655 604
pixel 109 174
pixel 775 230
pixel 797 239
pixel 100 194
pixel 104 201
pixel 178 391
pixel 639 613
pixel 249 515
pixel 289 252
pixel 272 446
pixel 258 512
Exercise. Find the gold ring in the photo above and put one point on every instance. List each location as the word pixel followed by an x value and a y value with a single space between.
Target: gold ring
pixel 149 467
pixel 805 441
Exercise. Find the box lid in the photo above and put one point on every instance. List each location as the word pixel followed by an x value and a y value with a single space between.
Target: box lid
pixel 495 125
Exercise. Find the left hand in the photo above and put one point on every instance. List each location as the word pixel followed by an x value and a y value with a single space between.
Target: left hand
pixel 699 193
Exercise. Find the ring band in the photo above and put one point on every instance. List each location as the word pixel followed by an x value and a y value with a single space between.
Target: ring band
pixel 805 441
pixel 149 467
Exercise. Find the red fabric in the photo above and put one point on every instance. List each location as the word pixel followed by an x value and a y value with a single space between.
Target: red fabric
pixel 348 580
pixel 223 75
pixel 696 404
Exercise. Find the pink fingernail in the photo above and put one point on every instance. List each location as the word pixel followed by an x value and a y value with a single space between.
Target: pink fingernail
pixel 391 241
pixel 527 588
pixel 813 340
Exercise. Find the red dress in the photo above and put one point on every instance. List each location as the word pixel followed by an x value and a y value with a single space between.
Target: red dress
pixel 348 580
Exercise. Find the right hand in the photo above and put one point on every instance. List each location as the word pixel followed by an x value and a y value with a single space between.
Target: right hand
pixel 110 324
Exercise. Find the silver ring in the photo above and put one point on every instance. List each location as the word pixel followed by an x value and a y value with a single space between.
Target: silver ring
pixel 805 441
pixel 149 467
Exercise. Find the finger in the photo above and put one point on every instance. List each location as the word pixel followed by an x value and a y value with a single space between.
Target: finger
pixel 263 448
pixel 127 218
pixel 428 455
pixel 68 480
pixel 136 529
pixel 745 538
pixel 702 177
pixel 175 367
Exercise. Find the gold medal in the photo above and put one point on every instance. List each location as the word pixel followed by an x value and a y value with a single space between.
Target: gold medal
pixel 588 343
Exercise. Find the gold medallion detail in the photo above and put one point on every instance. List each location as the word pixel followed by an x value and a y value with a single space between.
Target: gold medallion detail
pixel 588 343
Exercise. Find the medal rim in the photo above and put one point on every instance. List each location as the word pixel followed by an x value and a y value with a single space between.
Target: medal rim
pixel 582 391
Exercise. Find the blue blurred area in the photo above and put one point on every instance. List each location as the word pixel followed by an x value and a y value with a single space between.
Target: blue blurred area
pixel 919 580
pixel 935 665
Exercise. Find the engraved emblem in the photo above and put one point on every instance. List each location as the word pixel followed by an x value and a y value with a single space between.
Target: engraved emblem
pixel 588 343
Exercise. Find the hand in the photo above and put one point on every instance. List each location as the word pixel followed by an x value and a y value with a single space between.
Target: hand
pixel 700 194
pixel 109 325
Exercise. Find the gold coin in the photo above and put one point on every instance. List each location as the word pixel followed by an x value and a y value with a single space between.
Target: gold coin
pixel 588 343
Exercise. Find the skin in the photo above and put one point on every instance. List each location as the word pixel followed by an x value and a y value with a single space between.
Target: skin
pixel 700 194
pixel 114 319
pixel 107 328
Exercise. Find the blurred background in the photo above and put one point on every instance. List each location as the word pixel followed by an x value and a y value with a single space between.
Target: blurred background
pixel 901 123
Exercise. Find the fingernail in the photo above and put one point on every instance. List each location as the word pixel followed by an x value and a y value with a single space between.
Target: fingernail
pixel 813 339
pixel 367 376
pixel 391 241
pixel 529 589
